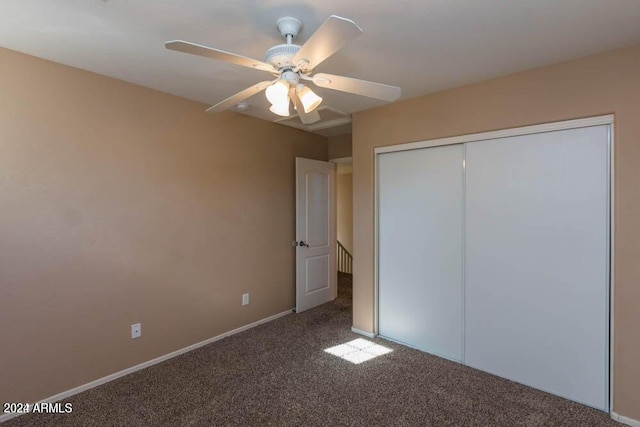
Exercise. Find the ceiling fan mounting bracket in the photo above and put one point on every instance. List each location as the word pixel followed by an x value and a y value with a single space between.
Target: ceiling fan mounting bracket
pixel 289 27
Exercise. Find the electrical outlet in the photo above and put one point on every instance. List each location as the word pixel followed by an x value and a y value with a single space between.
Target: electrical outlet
pixel 136 330
pixel 245 299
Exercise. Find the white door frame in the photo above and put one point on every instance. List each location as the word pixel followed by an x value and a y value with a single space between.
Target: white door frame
pixel 526 130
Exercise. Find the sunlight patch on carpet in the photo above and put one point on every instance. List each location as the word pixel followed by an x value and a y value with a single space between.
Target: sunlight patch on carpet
pixel 358 350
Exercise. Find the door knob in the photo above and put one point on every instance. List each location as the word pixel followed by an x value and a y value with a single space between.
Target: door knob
pixel 302 243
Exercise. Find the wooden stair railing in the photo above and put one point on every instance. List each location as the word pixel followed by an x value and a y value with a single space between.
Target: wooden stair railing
pixel 345 260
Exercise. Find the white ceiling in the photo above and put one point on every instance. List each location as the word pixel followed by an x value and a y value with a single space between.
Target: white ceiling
pixel 422 46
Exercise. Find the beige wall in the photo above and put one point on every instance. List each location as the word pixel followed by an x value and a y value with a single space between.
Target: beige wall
pixel 120 204
pixel 596 85
pixel 339 146
pixel 344 193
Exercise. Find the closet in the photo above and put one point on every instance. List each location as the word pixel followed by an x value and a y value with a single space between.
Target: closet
pixel 493 251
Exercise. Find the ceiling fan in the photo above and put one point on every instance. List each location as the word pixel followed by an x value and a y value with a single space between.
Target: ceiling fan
pixel 293 66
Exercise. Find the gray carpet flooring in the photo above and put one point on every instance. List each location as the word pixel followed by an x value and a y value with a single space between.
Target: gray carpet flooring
pixel 278 374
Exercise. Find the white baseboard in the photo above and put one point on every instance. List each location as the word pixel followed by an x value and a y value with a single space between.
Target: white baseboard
pixel 625 420
pixel 116 375
pixel 361 332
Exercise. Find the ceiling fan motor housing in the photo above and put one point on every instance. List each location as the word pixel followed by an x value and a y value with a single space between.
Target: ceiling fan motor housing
pixel 290 77
pixel 280 55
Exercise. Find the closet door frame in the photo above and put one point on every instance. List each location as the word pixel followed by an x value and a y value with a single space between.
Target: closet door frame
pixel 504 133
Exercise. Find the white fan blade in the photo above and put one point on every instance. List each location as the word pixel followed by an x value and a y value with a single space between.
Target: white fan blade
pixel 329 38
pixel 209 52
pixel 240 96
pixel 357 86
pixel 305 118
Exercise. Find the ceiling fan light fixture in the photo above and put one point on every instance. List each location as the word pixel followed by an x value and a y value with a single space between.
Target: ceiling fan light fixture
pixel 291 63
pixel 278 92
pixel 308 98
pixel 281 108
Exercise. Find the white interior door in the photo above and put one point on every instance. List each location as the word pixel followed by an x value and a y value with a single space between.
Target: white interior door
pixel 536 255
pixel 315 233
pixel 420 202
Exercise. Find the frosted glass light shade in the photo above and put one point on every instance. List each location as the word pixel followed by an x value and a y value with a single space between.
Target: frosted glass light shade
pixel 277 92
pixel 281 108
pixel 308 98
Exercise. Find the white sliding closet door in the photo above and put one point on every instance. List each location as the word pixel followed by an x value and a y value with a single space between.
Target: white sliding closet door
pixel 420 248
pixel 536 261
